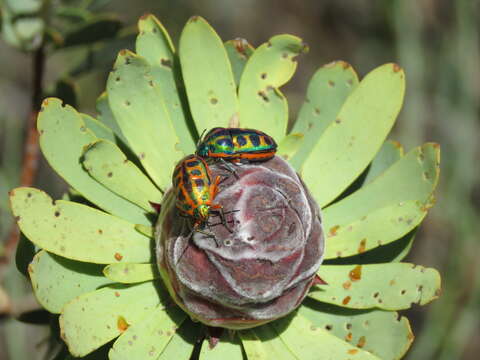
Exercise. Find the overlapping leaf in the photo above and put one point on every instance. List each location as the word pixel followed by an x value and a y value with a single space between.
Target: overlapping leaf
pixel 57 280
pixel 63 137
pixel 327 91
pixel 93 319
pixel 148 338
pixel 77 231
pixel 382 333
pixel 227 347
pixel 208 76
pixel 155 45
pixel 290 145
pixel 262 105
pixel 100 130
pixel 391 286
pixel 141 113
pixel 106 163
pixel 349 143
pixel 391 205
pixel 303 339
pixel 238 51
pixel 127 273
pixel 181 345
pixel 105 115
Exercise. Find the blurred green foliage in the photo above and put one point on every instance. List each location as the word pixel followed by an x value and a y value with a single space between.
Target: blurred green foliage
pixel 436 42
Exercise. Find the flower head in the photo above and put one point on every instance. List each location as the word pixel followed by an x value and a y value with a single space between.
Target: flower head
pixel 259 270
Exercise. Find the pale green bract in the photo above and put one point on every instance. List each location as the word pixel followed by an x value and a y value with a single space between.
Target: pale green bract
pixel 96 265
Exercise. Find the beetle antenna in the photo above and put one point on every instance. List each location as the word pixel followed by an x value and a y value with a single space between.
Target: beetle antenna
pixel 201 137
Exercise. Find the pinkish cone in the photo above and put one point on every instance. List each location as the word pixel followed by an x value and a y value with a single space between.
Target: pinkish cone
pixel 263 269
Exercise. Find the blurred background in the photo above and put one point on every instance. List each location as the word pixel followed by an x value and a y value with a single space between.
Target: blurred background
pixel 435 41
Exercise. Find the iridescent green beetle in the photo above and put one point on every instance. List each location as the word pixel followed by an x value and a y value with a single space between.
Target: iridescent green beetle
pixel 236 145
pixel 195 191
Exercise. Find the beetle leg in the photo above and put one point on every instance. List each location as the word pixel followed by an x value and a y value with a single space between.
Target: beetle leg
pixel 219 210
pixel 229 168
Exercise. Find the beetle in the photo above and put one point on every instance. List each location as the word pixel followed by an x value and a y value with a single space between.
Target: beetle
pixel 195 191
pixel 237 145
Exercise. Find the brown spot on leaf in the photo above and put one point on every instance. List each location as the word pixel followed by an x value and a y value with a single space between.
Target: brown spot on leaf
pixel 361 342
pixel 213 101
pixel 396 144
pixel 349 337
pixel 333 230
pixel 392 282
pixel 122 324
pixel 118 256
pixel 362 246
pixel 57 213
pixel 356 273
pixel 263 76
pixel 166 62
pixel 117 294
pixel 346 285
pixel 263 95
pixel 100 231
pixel 331 83
pixel 328 327
pixel 396 68
pixel 353 351
pixel 110 174
pixel 346 300
pixel 317 111
pixel 338 121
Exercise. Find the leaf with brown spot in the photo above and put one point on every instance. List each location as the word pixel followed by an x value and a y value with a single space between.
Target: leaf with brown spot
pixel 322 104
pixel 302 339
pixel 149 336
pixel 91 313
pixel 382 333
pixel 371 285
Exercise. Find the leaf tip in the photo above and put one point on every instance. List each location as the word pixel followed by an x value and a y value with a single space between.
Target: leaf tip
pixel 397 68
pixel 146 16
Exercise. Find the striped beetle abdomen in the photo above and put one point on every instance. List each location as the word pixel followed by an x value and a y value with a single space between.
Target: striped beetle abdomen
pixel 234 144
pixel 193 185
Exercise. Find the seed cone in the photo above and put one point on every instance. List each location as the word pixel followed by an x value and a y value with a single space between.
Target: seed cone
pixel 258 270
